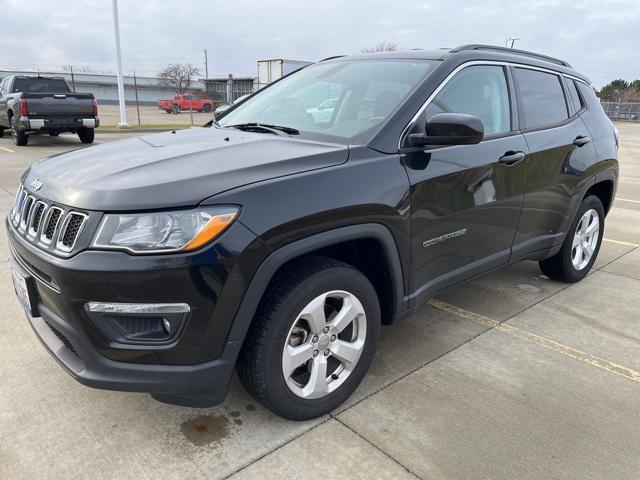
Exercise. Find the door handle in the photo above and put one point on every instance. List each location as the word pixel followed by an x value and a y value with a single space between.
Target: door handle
pixel 581 141
pixel 511 157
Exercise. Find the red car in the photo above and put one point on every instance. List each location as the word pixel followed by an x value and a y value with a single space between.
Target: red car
pixel 185 102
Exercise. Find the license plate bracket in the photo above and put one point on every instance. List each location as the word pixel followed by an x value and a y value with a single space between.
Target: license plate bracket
pixel 25 289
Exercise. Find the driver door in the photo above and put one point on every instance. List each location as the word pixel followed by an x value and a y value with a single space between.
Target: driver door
pixel 466 199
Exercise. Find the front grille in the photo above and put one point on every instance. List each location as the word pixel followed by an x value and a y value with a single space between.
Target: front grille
pixel 64 340
pixel 46 225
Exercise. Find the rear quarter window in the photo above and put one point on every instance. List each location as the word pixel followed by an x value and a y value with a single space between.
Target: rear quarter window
pixel 542 98
pixel 589 96
pixel 576 99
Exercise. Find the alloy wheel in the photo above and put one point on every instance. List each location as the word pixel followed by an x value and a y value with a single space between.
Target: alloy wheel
pixel 585 239
pixel 324 344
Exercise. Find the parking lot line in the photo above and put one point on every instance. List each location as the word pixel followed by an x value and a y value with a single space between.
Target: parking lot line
pixel 539 340
pixel 627 200
pixel 620 242
pixel 7 150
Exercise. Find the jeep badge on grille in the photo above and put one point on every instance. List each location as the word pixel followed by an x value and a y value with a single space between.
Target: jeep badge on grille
pixel 36 185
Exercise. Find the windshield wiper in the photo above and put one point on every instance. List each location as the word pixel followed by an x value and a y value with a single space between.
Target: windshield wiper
pixel 265 127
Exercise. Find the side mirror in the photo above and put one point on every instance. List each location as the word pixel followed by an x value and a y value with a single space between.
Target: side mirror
pixel 449 129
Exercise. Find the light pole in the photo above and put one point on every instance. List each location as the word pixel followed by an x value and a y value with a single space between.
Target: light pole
pixel 116 30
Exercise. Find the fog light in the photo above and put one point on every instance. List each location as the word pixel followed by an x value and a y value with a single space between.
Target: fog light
pixel 138 323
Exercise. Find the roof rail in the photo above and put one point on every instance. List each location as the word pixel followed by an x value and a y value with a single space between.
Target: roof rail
pixel 512 50
pixel 331 58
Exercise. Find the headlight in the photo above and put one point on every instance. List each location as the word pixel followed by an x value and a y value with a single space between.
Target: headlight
pixel 181 230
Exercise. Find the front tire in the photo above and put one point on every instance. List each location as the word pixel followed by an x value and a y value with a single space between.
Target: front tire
pixel 313 339
pixel 86 135
pixel 207 108
pixel 581 246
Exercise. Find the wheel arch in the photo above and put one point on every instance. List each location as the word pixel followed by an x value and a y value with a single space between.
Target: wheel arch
pixel 604 188
pixel 327 243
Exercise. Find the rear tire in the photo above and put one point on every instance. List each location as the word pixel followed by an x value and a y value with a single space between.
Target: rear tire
pixel 1 132
pixel 581 246
pixel 335 355
pixel 86 135
pixel 20 138
pixel 207 108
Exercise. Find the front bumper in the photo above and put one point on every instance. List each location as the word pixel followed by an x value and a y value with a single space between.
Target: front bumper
pixel 196 385
pixel 195 369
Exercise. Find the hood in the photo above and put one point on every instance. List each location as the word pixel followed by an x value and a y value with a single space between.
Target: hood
pixel 174 169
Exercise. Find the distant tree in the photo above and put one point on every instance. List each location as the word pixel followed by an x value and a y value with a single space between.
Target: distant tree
pixel 613 91
pixel 382 47
pixel 632 93
pixel 178 77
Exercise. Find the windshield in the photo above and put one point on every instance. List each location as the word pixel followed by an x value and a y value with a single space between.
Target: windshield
pixel 40 85
pixel 334 101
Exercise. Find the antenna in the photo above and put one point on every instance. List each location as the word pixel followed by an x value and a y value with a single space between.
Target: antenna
pixel 512 40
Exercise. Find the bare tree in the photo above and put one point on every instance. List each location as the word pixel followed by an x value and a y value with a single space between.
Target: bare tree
pixel 178 76
pixel 382 47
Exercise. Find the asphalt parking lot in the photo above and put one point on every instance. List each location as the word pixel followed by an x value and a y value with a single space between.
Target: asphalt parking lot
pixel 512 375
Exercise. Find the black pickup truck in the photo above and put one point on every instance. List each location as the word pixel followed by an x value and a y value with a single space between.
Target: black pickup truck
pixel 37 105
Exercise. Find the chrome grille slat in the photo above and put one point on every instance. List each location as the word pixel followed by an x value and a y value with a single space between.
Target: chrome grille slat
pixel 36 218
pixel 51 222
pixel 17 204
pixel 18 213
pixel 27 208
pixel 70 231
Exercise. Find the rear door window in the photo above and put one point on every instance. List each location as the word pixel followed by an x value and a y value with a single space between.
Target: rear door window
pixel 541 97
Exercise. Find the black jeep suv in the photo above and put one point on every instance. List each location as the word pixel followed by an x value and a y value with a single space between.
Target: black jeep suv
pixel 279 239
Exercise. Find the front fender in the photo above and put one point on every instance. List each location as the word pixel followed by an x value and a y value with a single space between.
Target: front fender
pixel 277 259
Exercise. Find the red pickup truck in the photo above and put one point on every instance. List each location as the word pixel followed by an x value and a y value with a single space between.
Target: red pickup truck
pixel 182 101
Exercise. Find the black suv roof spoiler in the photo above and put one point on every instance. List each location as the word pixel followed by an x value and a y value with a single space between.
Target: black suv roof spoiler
pixel 512 50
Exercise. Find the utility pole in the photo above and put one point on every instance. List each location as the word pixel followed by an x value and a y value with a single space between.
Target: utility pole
pixel 206 65
pixel 73 80
pixel 116 30
pixel 135 86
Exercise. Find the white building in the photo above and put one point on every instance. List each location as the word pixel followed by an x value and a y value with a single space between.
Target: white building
pixel 105 87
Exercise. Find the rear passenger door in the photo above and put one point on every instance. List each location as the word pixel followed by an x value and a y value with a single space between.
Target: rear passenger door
pixel 560 151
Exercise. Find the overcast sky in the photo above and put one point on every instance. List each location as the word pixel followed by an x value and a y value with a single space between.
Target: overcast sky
pixel 600 38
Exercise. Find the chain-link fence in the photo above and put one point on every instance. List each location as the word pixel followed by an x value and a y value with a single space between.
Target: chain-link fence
pixel 622 110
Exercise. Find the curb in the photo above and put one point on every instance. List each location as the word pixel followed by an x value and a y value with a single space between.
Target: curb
pixel 140 130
